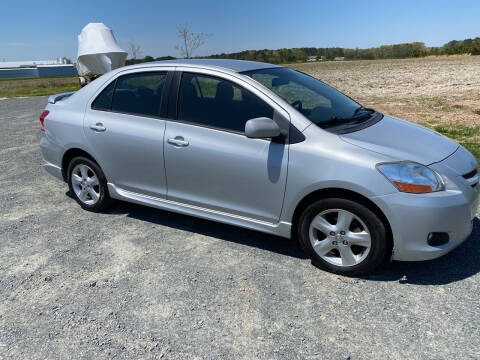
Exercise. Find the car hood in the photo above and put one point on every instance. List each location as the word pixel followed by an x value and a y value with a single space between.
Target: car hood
pixel 403 140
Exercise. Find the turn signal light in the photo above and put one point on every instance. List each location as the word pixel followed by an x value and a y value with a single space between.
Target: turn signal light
pixel 413 188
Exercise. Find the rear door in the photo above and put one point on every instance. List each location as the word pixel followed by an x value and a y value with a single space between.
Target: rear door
pixel 125 131
pixel 210 162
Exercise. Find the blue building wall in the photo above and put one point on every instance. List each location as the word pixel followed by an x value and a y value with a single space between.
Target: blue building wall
pixel 18 73
pixel 40 71
pixel 60 70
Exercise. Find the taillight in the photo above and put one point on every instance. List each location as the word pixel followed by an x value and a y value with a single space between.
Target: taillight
pixel 42 119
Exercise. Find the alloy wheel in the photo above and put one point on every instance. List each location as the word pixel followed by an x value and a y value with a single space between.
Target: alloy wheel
pixel 340 237
pixel 85 184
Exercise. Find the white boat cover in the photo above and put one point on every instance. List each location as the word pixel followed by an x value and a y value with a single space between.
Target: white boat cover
pixel 98 51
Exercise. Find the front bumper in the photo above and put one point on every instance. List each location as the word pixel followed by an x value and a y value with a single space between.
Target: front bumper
pixel 413 217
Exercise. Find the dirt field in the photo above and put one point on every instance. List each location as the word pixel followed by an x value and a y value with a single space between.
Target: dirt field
pixel 434 90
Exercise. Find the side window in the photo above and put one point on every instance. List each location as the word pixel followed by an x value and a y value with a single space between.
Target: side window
pixel 103 101
pixel 219 103
pixel 139 93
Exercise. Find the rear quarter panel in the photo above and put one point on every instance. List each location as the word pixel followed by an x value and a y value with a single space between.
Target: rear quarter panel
pixel 64 127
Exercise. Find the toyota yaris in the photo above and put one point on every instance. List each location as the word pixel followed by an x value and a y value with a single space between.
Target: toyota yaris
pixel 266 148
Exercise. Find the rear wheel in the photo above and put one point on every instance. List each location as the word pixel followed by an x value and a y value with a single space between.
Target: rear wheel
pixel 88 184
pixel 342 236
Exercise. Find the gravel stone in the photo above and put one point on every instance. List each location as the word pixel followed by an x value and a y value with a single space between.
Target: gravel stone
pixel 169 286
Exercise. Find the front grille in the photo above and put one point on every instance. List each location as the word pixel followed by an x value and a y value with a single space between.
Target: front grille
pixel 470 174
pixel 472 177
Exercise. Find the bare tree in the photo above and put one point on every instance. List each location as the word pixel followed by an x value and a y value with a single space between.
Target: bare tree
pixel 134 49
pixel 190 41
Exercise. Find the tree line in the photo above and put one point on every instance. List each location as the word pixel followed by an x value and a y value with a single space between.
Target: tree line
pixel 397 51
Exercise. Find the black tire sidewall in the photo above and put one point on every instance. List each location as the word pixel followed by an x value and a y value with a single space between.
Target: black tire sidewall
pixel 104 200
pixel 375 227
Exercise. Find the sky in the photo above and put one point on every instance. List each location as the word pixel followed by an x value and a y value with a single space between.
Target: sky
pixel 42 30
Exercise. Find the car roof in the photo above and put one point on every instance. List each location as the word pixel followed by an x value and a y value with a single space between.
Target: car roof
pixel 229 64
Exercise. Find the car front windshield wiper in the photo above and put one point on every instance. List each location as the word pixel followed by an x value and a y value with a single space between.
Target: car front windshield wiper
pixel 363 108
pixel 366 113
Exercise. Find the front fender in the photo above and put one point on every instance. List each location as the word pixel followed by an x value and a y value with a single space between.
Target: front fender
pixel 324 161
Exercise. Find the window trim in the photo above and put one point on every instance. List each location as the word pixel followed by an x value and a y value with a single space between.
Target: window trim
pixel 165 92
pixel 178 79
pixel 172 102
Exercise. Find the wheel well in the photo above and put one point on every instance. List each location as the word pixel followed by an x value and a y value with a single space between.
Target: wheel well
pixel 332 192
pixel 69 155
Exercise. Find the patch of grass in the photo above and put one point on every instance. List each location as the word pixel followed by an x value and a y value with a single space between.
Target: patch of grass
pixel 438 104
pixel 474 148
pixel 40 90
pixel 467 136
pixel 431 102
pixel 477 111
pixel 38 87
pixel 458 131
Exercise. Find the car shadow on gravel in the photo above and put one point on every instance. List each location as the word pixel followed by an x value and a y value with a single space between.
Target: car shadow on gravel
pixel 213 229
pixel 457 265
pixel 460 264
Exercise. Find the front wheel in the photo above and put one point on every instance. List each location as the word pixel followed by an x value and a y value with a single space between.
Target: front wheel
pixel 88 184
pixel 342 236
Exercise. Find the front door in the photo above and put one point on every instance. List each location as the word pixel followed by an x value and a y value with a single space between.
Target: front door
pixel 209 161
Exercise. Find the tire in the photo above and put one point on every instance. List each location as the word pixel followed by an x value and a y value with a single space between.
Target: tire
pixel 342 236
pixel 85 175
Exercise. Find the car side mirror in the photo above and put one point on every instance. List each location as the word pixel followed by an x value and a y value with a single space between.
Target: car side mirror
pixel 262 128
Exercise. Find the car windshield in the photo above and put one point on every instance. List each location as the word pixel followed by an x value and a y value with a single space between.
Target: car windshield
pixel 319 102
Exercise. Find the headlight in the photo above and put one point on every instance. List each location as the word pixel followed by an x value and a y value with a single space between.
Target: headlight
pixel 412 177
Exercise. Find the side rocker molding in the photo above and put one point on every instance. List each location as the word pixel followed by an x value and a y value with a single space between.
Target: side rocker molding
pixel 280 229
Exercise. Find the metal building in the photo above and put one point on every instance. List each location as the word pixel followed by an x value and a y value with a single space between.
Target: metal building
pixel 33 69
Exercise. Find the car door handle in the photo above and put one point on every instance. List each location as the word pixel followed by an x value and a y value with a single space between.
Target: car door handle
pixel 178 141
pixel 98 127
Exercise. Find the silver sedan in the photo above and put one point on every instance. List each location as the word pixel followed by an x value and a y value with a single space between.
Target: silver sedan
pixel 266 148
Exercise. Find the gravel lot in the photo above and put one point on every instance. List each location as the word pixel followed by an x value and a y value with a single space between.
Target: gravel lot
pixel 142 283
